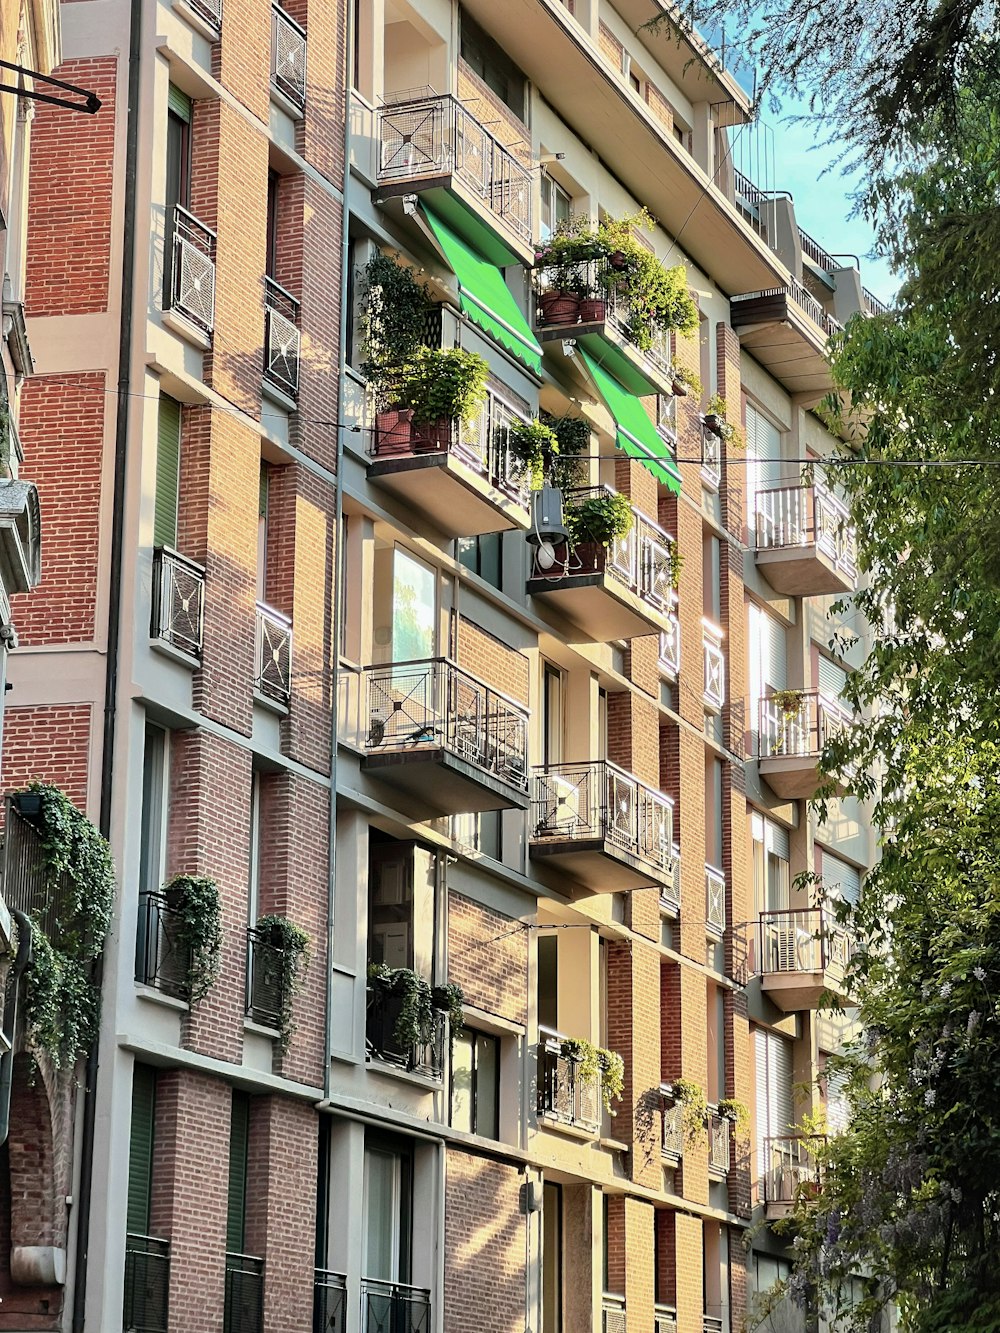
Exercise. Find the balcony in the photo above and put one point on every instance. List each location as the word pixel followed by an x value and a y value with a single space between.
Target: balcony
pixel 288 60
pixel 423 1057
pixel 623 591
pixel 443 737
pixel 670 893
pixel 714 688
pixel 147 1284
pixel 802 955
pixel 162 959
pixel 604 326
pixel 719 1130
pixel 795 726
pixel 715 900
pixel 329 1302
pixel 434 145
pixel 670 647
pixel 602 827
pixel 178 613
pixel 244 1302
pixel 790 1172
pixel 672 1120
pixel 612 1313
pixel 711 459
pixel 282 339
pixel 27 883
pixel 787 331
pixel 190 286
pixel 265 995
pixel 804 541
pixel 393 1307
pixel 464 480
pixel 563 1096
pixel 664 1318
pixel 273 657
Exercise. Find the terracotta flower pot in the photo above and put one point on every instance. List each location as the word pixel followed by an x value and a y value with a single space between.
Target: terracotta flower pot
pixel 432 437
pixel 588 558
pixel 592 311
pixel 393 431
pixel 679 388
pixel 617 261
pixel 559 307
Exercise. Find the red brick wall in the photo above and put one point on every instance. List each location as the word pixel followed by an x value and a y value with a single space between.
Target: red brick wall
pixel 488 958
pixel 484 1246
pixel 51 744
pixel 491 661
pixel 69 198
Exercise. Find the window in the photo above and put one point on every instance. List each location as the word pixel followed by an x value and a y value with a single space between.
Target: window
pixel 556 205
pixel 763 450
pixel 272 223
pixel 485 58
pixel 552 715
pixel 178 182
pixel 548 982
pixel 483 556
pixel 770 865
pixel 414 607
pixel 768 653
pixel 153 818
pixel 840 879
pixel 775 1109
pixel 388 1208
pixel 635 82
pixel 168 464
pixel 552 1263
pixel 713 811
pixel 712 577
pixel 263 494
pixel 140 1149
pixel 481 831
pixel 390 903
pixel 239 1133
pixel 767 1270
pixel 475 1083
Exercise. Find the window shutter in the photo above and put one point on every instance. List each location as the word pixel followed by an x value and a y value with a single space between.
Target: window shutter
pixel 780 1083
pixel 839 878
pixel 239 1135
pixel 168 462
pixel 760 1065
pixel 777 840
pixel 775 663
pixel 832 679
pixel 179 103
pixel 140 1149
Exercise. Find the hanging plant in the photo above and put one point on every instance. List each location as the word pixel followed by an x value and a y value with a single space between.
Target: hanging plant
pixel 534 444
pixel 62 1006
pixel 593 1064
pixel 291 943
pixel 735 1111
pixel 450 999
pixel 569 468
pixel 716 419
pixel 419 1001
pixel 691 1097
pixel 393 325
pixel 788 702
pixel 600 519
pixel 676 564
pixel 685 381
pixel 196 927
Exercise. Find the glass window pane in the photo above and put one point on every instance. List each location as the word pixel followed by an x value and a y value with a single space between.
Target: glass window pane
pixel 381 1215
pixel 487 1086
pixel 413 608
pixel 461 1082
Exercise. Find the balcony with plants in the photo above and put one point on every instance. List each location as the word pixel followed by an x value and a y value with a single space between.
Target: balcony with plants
pixel 802 956
pixel 578 1083
pixel 613 573
pixel 791 1170
pixel 602 827
pixel 408 1020
pixel 804 540
pixel 446 739
pixel 603 288
pixel 795 727
pixel 277 956
pixel 441 442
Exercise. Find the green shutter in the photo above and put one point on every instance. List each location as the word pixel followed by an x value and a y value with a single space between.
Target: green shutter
pixel 140 1148
pixel 168 464
pixel 179 103
pixel 265 477
pixel 238 1141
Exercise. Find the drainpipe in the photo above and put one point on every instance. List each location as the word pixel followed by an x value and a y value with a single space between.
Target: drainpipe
pixel 114 631
pixel 21 961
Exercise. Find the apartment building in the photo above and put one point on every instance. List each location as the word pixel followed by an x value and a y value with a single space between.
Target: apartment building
pixel 348 664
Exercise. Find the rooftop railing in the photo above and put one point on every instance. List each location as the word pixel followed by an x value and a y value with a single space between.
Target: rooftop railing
pixel 814 251
pixel 802 939
pixel 563 1093
pixel 437 136
pixel 798 724
pixel 801 515
pixel 872 304
pixel 178 610
pixel 282 339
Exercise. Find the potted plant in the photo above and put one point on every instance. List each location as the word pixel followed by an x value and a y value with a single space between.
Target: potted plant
pixel 562 266
pixel 716 419
pixel 685 381
pixel 735 1112
pixel 534 444
pixel 442 386
pixel 290 946
pixel 600 519
pixel 593 1064
pixel 569 467
pixel 691 1097
pixel 393 325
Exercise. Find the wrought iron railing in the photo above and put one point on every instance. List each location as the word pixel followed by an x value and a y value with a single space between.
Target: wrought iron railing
pixel 288 57
pixel 802 939
pixel 329 1301
pixel 265 991
pixel 244 1301
pixel 613 1313
pixel 715 664
pixel 672 1116
pixel 162 956
pixel 711 458
pixel 670 645
pixel 798 515
pixel 437 136
pixel 790 1167
pixel 798 724
pixel 564 1094
pixel 393 1307
pixel 434 704
pixel 719 1129
pixel 178 614
pixel 872 304
pixel 282 339
pixel 814 251
pixel 210 11
pixel 664 1318
pixel 147 1284
pixel 381 1043
pixel 192 270
pixel 598 800
pixel 803 298
pixel 670 890
pixel 273 669
pixel 715 899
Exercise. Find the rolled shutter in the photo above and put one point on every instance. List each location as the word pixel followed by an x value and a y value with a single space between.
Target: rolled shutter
pixel 140 1149
pixel 832 679
pixel 168 461
pixel 840 879
pixel 782 1108
pixel 238 1146
pixel 179 103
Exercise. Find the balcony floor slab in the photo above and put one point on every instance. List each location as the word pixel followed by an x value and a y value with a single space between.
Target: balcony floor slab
pixel 794 777
pixel 597 864
pixel 797 992
pixel 443 783
pixel 452 495
pixel 802 571
pixel 603 608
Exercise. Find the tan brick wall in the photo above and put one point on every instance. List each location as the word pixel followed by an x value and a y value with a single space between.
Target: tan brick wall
pixel 690 1280
pixel 611 48
pixel 634 1032
pixel 492 661
pixel 734 476
pixel 660 107
pixel 488 958
pixel 484 1246
pixel 242 60
pixel 640 1272
pixel 482 102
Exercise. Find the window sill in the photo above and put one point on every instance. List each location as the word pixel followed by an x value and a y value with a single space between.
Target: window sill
pixel 154 996
pixel 284 103
pixel 183 327
pixel 261 1029
pixel 545 1122
pixel 278 396
pixel 195 20
pixel 175 654
pixel 272 705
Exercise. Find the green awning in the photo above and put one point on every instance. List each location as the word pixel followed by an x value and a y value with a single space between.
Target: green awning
pixel 484 295
pixel 637 436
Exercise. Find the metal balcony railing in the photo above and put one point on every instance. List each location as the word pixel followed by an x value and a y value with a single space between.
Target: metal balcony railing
pixel 664 1318
pixel 715 665
pixel 433 703
pixel 597 799
pixel 802 939
pixel 814 251
pixel 288 57
pixel 383 1010
pixel 801 726
pixel 672 1114
pixel 178 614
pixel 273 670
pixel 797 515
pixel 563 1095
pixel 613 1313
pixel 670 646
pixel 191 290
pixel 329 1301
pixel 711 458
pixel 670 893
pixel 393 1307
pixel 27 882
pixel 872 304
pixel 147 1284
pixel 803 298
pixel 244 1302
pixel 437 136
pixel 162 958
pixel 790 1167
pixel 719 1129
pixel 265 993
pixel 282 339
pixel 210 11
pixel 715 899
